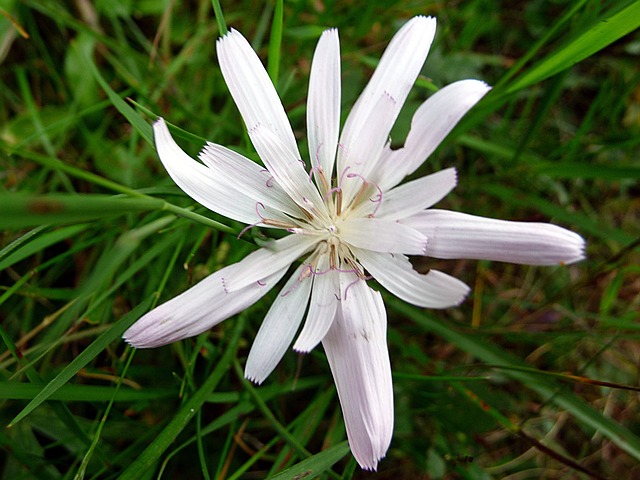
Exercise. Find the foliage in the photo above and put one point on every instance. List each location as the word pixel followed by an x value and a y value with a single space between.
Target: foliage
pixel 534 376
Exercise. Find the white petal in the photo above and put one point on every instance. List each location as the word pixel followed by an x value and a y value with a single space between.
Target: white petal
pixel 356 348
pixel 199 182
pixel 267 260
pixel 196 310
pixel 322 308
pixel 360 156
pixel 417 195
pixel 323 104
pixel 250 178
pixel 287 169
pixel 395 273
pixel 279 326
pixel 431 123
pixel 458 235
pixel 251 88
pixel 393 78
pixel 382 236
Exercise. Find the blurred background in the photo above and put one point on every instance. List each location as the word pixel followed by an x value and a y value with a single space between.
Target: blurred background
pixel 534 376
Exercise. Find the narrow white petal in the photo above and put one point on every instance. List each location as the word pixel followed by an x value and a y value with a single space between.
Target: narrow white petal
pixel 287 169
pixel 382 236
pixel 431 123
pixel 395 273
pixel 247 176
pixel 279 326
pixel 393 78
pixel 417 195
pixel 356 347
pixel 199 182
pixel 274 256
pixel 459 235
pixel 359 157
pixel 323 104
pixel 196 310
pixel 251 88
pixel 322 308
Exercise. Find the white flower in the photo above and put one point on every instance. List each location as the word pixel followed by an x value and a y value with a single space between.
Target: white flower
pixel 348 220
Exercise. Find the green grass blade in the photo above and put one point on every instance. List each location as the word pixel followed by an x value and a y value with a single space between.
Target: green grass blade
pixel 27 245
pixel 82 393
pixel 134 118
pixel 314 465
pixel 602 34
pixel 153 452
pixel 92 351
pixel 23 210
pixel 217 12
pixel 546 388
pixel 275 43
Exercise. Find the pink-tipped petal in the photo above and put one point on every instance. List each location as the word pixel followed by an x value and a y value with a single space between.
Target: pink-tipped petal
pixel 252 89
pixel 395 273
pixel 356 347
pixel 430 125
pixel 322 308
pixel 279 326
pixel 323 104
pixel 383 98
pixel 200 182
pixel 196 310
pixel 459 235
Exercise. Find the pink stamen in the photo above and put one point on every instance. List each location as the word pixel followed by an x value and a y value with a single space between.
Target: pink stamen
pixel 342 175
pixel 269 182
pixel 357 175
pixel 318 154
pixel 377 199
pixel 244 230
pixel 333 190
pixel 260 204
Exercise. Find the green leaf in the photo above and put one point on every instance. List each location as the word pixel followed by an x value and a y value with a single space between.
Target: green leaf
pixel 92 351
pixel 23 210
pixel 25 247
pixel 315 465
pixel 153 452
pixel 593 40
pixel 82 393
pixel 548 389
pixel 134 118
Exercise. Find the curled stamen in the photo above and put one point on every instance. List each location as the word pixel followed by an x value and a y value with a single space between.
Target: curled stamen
pixel 318 154
pixel 377 199
pixel 342 175
pixel 245 229
pixel 261 283
pixel 260 204
pixel 346 290
pixel 262 219
pixel 313 170
pixel 269 182
pixel 333 190
pixel 363 188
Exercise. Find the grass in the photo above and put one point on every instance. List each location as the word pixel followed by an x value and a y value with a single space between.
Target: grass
pixel 534 376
